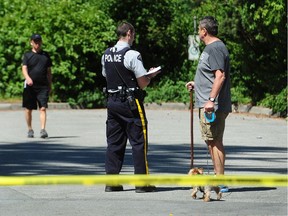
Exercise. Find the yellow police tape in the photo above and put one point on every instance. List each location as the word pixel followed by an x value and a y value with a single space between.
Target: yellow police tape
pixel 140 180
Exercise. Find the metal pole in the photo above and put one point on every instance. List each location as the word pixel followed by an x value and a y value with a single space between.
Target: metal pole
pixel 191 129
pixel 195 26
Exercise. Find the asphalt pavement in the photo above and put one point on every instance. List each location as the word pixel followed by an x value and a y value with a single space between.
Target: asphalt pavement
pixel 76 146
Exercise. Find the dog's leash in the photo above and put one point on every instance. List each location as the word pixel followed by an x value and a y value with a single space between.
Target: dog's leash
pixel 207 160
pixel 210 117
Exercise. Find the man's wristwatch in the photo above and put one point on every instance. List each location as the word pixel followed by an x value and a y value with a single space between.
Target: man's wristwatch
pixel 211 99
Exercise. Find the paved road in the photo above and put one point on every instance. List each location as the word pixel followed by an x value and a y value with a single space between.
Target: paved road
pixel 76 145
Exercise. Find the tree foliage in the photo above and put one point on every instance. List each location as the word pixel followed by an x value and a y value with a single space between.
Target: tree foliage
pixel 76 32
pixel 263 32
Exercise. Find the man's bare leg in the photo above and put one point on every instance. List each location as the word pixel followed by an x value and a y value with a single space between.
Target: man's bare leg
pixel 28 117
pixel 43 117
pixel 217 153
pixel 43 133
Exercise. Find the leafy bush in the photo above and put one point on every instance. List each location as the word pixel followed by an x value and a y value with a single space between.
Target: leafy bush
pixel 277 102
pixel 168 91
pixel 239 94
pixel 76 33
pixel 88 99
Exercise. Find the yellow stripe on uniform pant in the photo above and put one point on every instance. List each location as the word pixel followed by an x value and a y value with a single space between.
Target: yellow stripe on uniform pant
pixel 142 117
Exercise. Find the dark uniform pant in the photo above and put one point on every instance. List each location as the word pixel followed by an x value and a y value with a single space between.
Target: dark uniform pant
pixel 123 124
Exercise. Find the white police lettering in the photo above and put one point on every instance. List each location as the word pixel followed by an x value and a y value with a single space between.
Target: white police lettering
pixel 114 58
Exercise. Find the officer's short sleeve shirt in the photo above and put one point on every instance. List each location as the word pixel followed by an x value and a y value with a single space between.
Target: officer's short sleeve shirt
pixel 132 60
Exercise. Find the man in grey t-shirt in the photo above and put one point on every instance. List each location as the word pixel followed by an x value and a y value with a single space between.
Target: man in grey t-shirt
pixel 212 90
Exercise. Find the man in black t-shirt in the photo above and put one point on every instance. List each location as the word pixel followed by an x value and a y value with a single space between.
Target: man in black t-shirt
pixel 36 69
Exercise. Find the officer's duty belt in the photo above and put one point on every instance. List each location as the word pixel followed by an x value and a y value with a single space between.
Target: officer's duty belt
pixel 117 90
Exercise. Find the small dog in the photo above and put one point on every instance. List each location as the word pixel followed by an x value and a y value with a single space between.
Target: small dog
pixel 206 190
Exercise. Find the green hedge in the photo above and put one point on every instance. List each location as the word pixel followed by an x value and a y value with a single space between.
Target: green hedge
pixel 76 33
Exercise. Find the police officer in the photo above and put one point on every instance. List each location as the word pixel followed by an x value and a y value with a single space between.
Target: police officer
pixel 126 119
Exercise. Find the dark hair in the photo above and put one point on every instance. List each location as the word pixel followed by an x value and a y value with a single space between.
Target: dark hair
pixel 123 28
pixel 210 24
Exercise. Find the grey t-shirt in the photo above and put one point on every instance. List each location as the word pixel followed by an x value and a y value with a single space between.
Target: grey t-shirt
pixel 214 57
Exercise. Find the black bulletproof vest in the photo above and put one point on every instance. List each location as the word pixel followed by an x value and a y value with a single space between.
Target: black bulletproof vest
pixel 115 60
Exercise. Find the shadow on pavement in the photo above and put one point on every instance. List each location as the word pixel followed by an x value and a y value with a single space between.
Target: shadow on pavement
pixel 164 189
pixel 175 158
pixel 49 157
pixel 246 189
pixel 62 137
pixel 54 156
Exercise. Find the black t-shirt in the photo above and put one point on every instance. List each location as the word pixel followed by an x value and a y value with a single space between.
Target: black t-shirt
pixel 37 65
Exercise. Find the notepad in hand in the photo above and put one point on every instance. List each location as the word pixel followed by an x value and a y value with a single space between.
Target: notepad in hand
pixel 154 70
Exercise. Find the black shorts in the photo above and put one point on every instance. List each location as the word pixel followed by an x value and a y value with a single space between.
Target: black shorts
pixel 33 96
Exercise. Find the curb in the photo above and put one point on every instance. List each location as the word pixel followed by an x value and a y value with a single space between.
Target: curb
pixel 18 106
pixel 165 106
pixel 236 109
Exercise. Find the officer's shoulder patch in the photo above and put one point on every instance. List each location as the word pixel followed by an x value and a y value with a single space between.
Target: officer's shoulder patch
pixel 139 57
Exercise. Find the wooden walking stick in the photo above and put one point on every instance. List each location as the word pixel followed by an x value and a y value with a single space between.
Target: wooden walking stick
pixel 191 128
